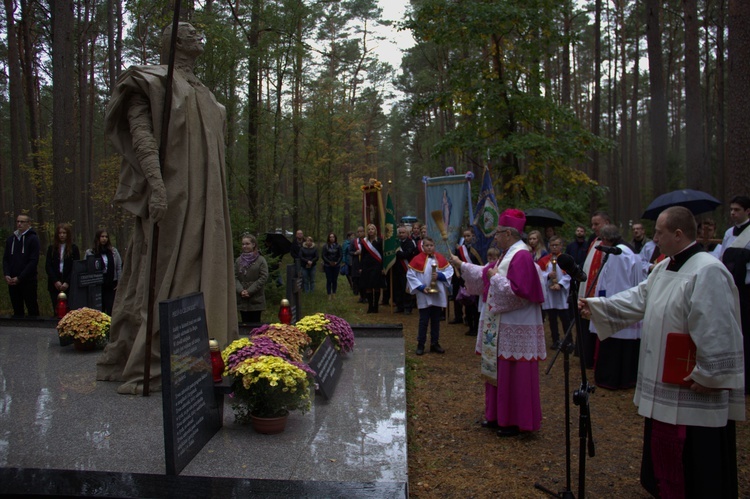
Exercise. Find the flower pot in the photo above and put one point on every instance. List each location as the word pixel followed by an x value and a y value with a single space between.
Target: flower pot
pixel 84 346
pixel 269 426
pixel 65 340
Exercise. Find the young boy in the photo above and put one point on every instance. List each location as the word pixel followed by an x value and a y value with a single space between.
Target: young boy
pixel 555 284
pixel 430 304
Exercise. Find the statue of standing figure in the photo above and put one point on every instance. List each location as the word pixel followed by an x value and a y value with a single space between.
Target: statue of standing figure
pixel 186 196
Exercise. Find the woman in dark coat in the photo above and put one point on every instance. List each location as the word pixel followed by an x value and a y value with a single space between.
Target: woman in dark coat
pixel 332 256
pixel 59 264
pixel 372 280
pixel 110 263
pixel 308 257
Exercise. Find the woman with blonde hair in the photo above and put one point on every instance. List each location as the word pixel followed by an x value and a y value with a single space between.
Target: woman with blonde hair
pixel 372 280
pixel 536 243
pixel 59 264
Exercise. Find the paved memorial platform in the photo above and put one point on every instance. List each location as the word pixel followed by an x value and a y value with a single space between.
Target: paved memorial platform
pixel 64 433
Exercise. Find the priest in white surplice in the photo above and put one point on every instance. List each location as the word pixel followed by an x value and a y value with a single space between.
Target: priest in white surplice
pixel 689 447
pixel 616 358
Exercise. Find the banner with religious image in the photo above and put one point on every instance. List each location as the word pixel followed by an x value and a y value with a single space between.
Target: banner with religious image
pixel 446 202
pixel 372 205
pixel 487 216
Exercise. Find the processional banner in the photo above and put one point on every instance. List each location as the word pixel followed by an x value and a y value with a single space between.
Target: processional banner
pixel 487 216
pixel 446 201
pixel 372 205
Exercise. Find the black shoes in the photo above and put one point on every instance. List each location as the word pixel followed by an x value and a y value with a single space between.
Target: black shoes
pixel 470 333
pixel 492 425
pixel 508 431
pixel 456 321
pixel 434 348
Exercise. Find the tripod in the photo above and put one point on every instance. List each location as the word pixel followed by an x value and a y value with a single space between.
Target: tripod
pixel 580 398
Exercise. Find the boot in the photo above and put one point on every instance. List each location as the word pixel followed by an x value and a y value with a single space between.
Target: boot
pixel 376 300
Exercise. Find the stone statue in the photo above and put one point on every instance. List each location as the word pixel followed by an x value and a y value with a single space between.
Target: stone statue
pixel 187 197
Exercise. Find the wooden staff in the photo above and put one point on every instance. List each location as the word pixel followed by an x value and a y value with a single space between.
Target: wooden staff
pixel 437 216
pixel 155 229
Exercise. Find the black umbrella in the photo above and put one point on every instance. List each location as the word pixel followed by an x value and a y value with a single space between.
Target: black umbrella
pixel 542 217
pixel 695 201
pixel 277 244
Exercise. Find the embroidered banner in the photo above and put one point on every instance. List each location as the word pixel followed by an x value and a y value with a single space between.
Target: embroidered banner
pixel 446 201
pixel 487 216
pixel 372 205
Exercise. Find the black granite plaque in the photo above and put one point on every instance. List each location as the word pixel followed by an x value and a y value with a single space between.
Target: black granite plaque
pixel 192 411
pixel 86 284
pixel 327 363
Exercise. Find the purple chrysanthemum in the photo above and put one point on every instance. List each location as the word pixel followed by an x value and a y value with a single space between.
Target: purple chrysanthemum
pixel 341 332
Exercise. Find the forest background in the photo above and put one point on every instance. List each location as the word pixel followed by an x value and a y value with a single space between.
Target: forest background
pixel 572 105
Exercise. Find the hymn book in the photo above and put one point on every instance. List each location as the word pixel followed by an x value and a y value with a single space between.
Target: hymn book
pixel 679 359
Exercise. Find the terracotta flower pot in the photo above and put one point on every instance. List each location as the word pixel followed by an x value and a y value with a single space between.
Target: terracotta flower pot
pixel 269 426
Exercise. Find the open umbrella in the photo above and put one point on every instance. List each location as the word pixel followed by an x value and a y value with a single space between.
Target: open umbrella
pixel 542 217
pixel 277 244
pixel 695 201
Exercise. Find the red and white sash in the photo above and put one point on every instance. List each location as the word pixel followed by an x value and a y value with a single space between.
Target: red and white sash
pixel 372 250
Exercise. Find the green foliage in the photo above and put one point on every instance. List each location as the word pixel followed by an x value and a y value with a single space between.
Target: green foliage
pixel 103 188
pixel 478 67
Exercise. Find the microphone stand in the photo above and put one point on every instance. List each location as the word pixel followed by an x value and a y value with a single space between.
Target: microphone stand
pixel 580 398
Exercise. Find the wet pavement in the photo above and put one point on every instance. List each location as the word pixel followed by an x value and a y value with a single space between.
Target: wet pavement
pixel 62 432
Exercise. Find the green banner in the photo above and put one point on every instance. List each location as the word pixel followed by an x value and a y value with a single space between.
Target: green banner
pixel 390 241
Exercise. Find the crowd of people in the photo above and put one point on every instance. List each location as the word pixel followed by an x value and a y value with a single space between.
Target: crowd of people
pixel 636 294
pixel 637 291
pixel 21 260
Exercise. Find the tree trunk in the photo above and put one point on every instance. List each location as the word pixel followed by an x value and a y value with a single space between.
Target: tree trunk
pixel 658 110
pixel 635 169
pixel 63 111
pixel 253 64
pixel 597 105
pixel 18 135
pixel 695 161
pixel 738 105
pixel 720 103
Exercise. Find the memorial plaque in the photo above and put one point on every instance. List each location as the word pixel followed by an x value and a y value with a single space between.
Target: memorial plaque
pixel 327 363
pixel 86 284
pixel 192 408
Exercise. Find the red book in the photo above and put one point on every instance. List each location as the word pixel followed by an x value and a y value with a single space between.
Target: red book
pixel 679 359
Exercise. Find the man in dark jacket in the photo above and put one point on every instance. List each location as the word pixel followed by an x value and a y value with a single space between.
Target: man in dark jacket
pixel 20 267
pixel 579 247
pixel 299 239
